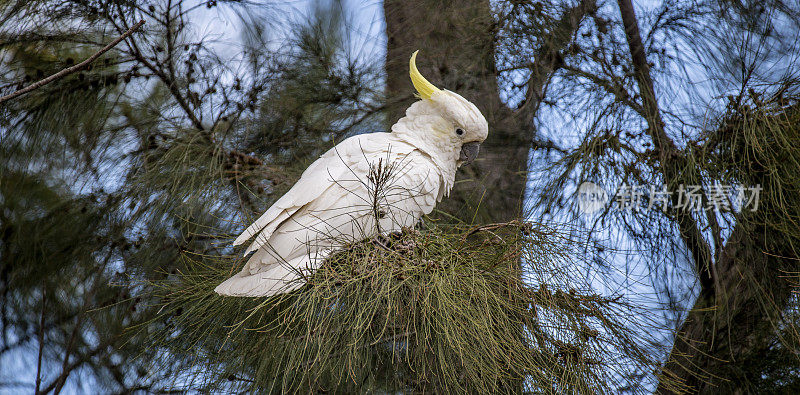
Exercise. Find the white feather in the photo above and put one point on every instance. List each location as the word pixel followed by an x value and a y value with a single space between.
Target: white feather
pixel 332 204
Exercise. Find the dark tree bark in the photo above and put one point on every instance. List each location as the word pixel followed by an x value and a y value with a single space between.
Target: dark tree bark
pixel 732 326
pixel 735 329
pixel 457 46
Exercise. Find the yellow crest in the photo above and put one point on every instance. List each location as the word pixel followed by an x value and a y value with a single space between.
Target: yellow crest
pixel 425 88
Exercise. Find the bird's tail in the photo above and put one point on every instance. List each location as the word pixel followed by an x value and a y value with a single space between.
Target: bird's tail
pixel 276 279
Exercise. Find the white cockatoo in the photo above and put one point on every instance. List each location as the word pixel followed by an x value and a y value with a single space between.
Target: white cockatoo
pixel 368 184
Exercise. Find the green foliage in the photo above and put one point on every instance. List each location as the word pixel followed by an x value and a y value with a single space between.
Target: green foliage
pixel 437 310
pixel 109 174
pixel 756 145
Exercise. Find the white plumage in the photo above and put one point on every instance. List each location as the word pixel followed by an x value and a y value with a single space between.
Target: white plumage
pixel 370 183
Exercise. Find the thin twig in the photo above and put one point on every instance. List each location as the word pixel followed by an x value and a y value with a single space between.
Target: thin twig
pixel 103 346
pixel 489 227
pixel 41 341
pixel 166 79
pixel 63 73
pixel 78 321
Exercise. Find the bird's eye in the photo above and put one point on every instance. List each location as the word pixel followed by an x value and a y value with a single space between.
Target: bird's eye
pixel 459 131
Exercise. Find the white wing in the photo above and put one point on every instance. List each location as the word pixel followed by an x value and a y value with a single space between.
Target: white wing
pixel 367 183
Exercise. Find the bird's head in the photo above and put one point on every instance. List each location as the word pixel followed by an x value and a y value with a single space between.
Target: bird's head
pixel 443 119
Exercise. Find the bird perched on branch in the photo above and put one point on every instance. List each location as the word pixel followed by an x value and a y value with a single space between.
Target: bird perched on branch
pixel 366 185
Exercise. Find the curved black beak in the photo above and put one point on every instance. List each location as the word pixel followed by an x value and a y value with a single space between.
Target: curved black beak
pixel 469 151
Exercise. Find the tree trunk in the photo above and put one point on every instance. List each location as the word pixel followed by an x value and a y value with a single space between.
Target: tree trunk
pixel 733 325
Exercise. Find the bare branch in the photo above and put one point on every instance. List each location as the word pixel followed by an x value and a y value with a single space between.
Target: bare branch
pixel 672 162
pixel 41 341
pixel 65 72
pixel 612 87
pixel 549 59
pixel 103 346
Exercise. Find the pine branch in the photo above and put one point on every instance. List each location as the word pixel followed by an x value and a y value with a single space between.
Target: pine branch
pixel 70 70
